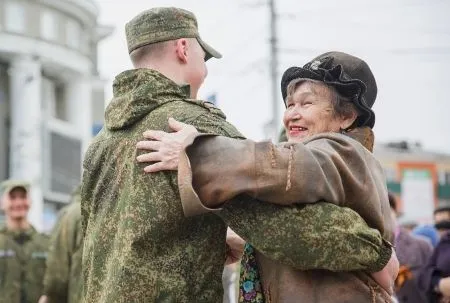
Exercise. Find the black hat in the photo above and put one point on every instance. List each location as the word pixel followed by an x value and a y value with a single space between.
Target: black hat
pixel 350 76
pixel 442 206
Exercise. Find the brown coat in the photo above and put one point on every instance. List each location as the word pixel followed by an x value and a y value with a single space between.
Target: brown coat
pixel 328 167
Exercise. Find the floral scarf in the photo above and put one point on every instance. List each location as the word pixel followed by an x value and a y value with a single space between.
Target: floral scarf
pixel 250 288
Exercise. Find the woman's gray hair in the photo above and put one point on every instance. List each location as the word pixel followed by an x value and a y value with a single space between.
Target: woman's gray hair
pixel 342 106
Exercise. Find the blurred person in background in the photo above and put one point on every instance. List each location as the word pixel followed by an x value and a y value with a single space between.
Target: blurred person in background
pixel 428 232
pixel 442 217
pixel 413 254
pixel 63 282
pixel 435 277
pixel 328 121
pixel 23 251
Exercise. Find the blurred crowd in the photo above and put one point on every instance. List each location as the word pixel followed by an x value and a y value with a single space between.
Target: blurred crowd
pixel 423 252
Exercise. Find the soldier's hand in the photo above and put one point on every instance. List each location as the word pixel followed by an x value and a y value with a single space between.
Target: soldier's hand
pixel 235 247
pixel 165 147
pixel 386 277
pixel 43 299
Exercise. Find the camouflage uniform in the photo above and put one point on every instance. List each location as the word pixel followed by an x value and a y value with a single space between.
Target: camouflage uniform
pixel 63 280
pixel 22 265
pixel 139 246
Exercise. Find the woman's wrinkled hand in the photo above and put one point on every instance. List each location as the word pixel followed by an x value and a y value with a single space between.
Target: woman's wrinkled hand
pixel 43 299
pixel 164 148
pixel 386 277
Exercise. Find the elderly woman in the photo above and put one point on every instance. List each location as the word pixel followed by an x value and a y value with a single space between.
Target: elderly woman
pixel 328 121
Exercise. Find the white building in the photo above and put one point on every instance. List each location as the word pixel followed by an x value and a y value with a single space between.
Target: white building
pixel 51 96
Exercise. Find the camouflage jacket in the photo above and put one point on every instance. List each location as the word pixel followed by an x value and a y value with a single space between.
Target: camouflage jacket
pixel 22 266
pixel 63 280
pixel 139 246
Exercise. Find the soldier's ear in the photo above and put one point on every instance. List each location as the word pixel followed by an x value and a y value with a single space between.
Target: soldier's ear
pixel 181 46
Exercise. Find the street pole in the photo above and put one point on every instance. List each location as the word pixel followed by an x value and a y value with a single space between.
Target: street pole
pixel 275 123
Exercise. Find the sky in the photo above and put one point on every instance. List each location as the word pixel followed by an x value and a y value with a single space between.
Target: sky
pixel 405 42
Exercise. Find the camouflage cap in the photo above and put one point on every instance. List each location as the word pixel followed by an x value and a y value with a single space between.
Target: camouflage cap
pixel 8 185
pixel 163 24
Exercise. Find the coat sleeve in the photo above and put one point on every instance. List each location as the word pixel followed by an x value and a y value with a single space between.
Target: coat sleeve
pixel 314 236
pixel 330 168
pixel 303 236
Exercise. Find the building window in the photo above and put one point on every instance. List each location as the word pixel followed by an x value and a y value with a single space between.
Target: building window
pixel 444 178
pixel 65 163
pixel 60 102
pixel 15 17
pixel 54 99
pixel 73 34
pixel 49 29
pixel 86 43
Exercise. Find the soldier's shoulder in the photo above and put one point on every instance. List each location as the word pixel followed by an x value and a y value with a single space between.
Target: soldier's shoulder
pixel 183 108
pixel 204 115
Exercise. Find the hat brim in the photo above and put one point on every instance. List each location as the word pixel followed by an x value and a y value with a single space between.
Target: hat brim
pixel 209 50
pixel 346 87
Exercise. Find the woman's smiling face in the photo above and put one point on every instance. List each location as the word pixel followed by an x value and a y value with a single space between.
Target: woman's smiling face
pixel 309 111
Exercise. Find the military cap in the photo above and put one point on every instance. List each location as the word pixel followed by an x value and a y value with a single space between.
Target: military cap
pixel 163 24
pixel 349 75
pixel 8 185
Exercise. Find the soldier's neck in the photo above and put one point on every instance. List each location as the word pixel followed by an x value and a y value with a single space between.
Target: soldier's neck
pixel 168 68
pixel 17 224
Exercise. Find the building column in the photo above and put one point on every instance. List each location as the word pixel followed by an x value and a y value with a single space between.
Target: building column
pixel 26 131
pixel 79 108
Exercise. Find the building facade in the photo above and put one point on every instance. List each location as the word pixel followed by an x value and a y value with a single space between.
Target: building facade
pixel 51 96
pixel 419 178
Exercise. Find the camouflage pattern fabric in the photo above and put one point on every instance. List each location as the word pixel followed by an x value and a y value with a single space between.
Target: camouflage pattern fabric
pixel 63 278
pixel 22 266
pixel 312 236
pixel 139 246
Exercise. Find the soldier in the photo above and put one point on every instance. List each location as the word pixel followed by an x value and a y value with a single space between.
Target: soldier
pixel 23 250
pixel 63 280
pixel 139 246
